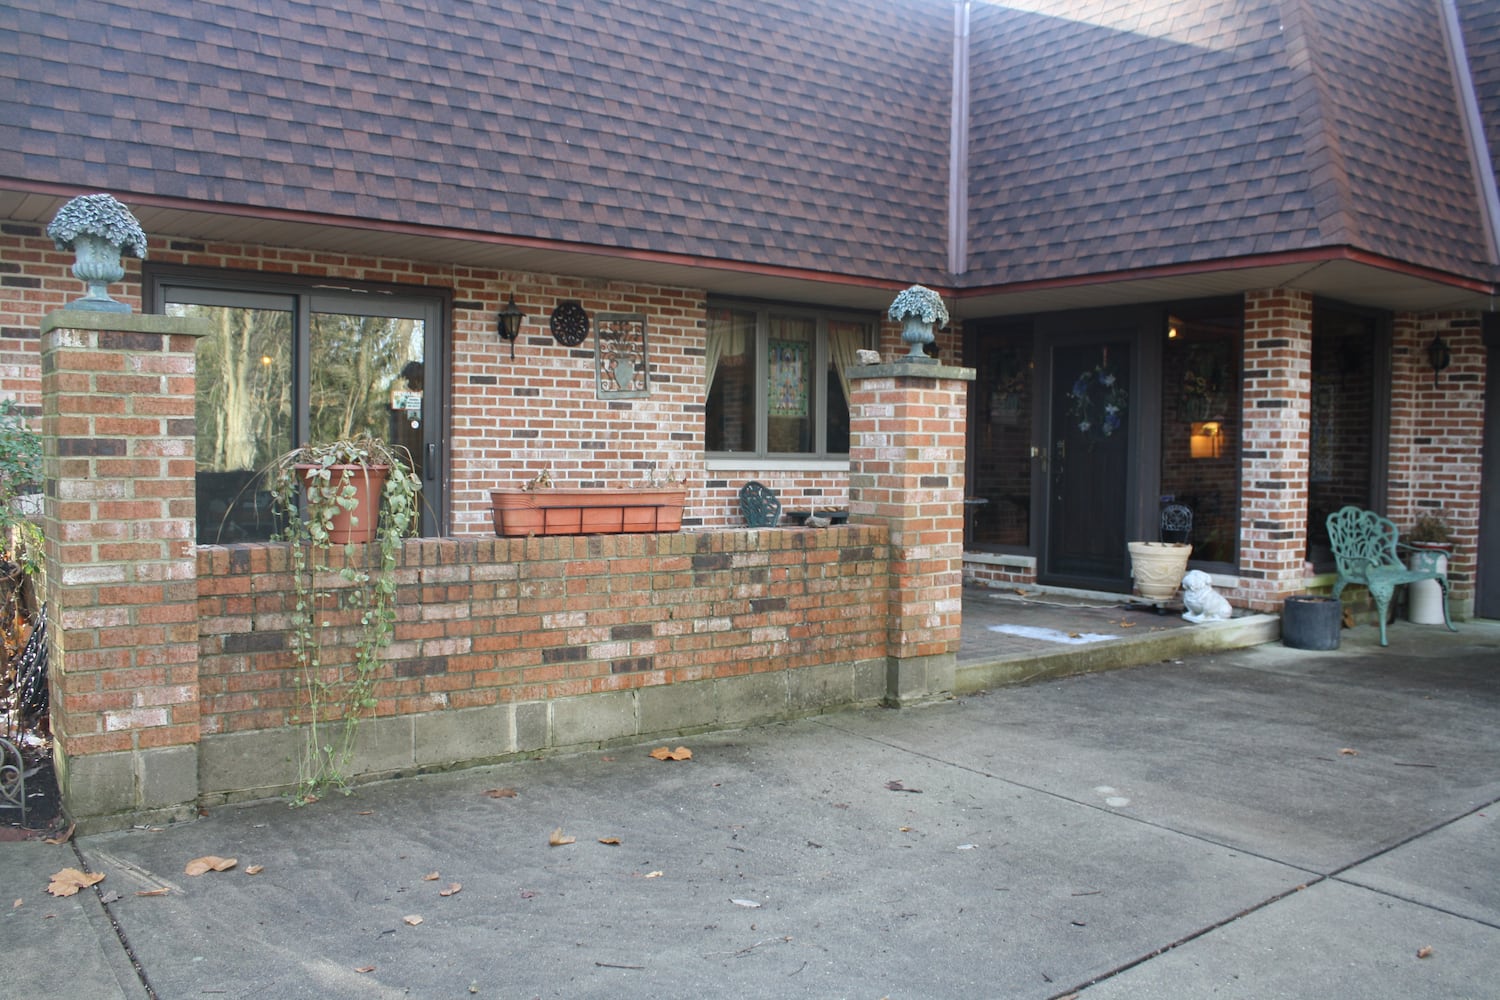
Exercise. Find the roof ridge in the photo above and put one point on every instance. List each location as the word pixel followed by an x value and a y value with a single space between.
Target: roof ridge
pixel 1323 154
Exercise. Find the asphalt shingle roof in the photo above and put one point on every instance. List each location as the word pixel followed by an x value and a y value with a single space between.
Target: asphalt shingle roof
pixel 792 134
pixel 1105 135
pixel 1128 135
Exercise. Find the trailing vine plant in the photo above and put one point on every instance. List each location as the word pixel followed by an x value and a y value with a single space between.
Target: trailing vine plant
pixel 311 486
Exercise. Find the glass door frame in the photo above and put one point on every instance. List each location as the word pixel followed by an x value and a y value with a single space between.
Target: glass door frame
pixel 433 306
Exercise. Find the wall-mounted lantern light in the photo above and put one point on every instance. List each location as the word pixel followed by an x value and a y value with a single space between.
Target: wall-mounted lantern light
pixel 509 324
pixel 1438 356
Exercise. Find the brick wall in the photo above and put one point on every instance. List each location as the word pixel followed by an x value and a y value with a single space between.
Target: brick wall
pixel 1436 437
pixel 489 621
pixel 510 419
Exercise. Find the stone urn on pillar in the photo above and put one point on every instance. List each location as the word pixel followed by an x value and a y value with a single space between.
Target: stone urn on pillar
pixel 918 309
pixel 99 230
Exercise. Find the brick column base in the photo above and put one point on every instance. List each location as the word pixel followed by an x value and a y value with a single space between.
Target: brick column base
pixel 122 593
pixel 906 471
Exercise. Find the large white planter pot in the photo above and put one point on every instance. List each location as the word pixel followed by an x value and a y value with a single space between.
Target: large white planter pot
pixel 1158 568
pixel 1424 598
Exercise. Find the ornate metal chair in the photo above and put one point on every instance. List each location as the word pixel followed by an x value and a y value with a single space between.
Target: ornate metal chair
pixel 1177 523
pixel 759 505
pixel 1364 546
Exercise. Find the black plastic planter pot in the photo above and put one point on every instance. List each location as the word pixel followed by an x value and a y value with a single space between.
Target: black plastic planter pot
pixel 1309 622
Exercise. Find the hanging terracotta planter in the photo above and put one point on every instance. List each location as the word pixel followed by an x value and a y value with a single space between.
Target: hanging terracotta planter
pixel 579 511
pixel 355 525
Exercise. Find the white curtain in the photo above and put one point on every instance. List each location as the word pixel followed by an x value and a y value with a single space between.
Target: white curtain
pixel 844 339
pixel 713 350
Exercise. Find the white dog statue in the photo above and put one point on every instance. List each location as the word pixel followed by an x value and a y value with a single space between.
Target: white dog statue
pixel 1202 602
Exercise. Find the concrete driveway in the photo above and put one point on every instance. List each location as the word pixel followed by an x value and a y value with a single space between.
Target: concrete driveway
pixel 1255 823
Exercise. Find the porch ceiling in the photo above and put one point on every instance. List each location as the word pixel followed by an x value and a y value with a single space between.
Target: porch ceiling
pixel 1355 279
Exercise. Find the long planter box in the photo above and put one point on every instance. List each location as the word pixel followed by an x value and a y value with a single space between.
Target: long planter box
pixel 553 511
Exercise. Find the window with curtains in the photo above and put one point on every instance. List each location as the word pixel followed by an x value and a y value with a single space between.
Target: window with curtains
pixel 777 379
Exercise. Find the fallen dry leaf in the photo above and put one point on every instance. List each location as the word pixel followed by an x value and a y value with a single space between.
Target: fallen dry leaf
pixel 612 841
pixel 653 875
pixel 209 863
pixel 62 838
pixel 501 793
pixel 1127 624
pixel 560 839
pixel 681 753
pixel 1425 951
pixel 452 889
pixel 1348 752
pixel 68 881
pixel 411 920
pixel 365 812
pixel 430 877
pixel 154 892
pixel 16 905
pixel 255 869
pixel 365 968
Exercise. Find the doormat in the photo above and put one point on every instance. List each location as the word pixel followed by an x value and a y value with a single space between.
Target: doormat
pixel 1051 634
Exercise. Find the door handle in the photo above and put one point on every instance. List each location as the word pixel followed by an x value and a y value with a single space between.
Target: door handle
pixel 429 463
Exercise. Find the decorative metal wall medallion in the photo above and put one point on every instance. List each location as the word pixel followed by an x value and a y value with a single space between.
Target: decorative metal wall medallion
pixel 570 324
pixel 620 363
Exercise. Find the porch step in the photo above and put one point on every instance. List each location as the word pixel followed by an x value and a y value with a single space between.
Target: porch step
pixel 1126 651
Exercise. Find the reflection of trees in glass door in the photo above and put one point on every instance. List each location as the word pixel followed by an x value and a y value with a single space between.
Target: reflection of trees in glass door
pixel 287 365
pixel 366 377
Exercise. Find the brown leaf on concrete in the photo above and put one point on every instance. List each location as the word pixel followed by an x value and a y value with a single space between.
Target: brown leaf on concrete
pixel 430 877
pixel 411 920
pixel 68 881
pixel 560 839
pixel 501 793
pixel 453 889
pixel 255 869
pixel 154 892
pixel 1425 951
pixel 62 838
pixel 209 863
pixel 611 841
pixel 664 753
pixel 365 968
pixel 1348 752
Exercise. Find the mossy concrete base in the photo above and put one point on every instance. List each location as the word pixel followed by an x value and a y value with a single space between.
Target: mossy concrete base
pixel 236 767
pixel 110 791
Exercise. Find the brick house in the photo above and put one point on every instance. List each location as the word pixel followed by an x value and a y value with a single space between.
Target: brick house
pixel 1201 254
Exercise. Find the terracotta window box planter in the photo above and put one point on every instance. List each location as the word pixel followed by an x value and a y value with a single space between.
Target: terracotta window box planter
pixel 554 511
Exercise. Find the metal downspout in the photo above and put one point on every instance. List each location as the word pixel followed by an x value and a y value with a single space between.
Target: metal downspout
pixel 958 150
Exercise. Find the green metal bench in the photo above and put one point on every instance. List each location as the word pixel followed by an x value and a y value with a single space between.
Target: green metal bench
pixel 1365 546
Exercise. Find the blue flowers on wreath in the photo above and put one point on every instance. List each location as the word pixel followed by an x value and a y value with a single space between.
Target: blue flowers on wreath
pixel 1097 401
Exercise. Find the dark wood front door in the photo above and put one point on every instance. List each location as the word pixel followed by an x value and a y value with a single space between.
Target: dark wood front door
pixel 1091 462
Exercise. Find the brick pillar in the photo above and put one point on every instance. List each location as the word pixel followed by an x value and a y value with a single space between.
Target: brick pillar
pixel 1276 459
pixel 118 434
pixel 906 471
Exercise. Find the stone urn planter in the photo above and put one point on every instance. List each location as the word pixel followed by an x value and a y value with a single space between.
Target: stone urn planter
pixel 1158 568
pixel 918 309
pixel 99 230
pixel 584 511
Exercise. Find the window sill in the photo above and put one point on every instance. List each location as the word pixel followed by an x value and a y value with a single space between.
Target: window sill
pixel 782 463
